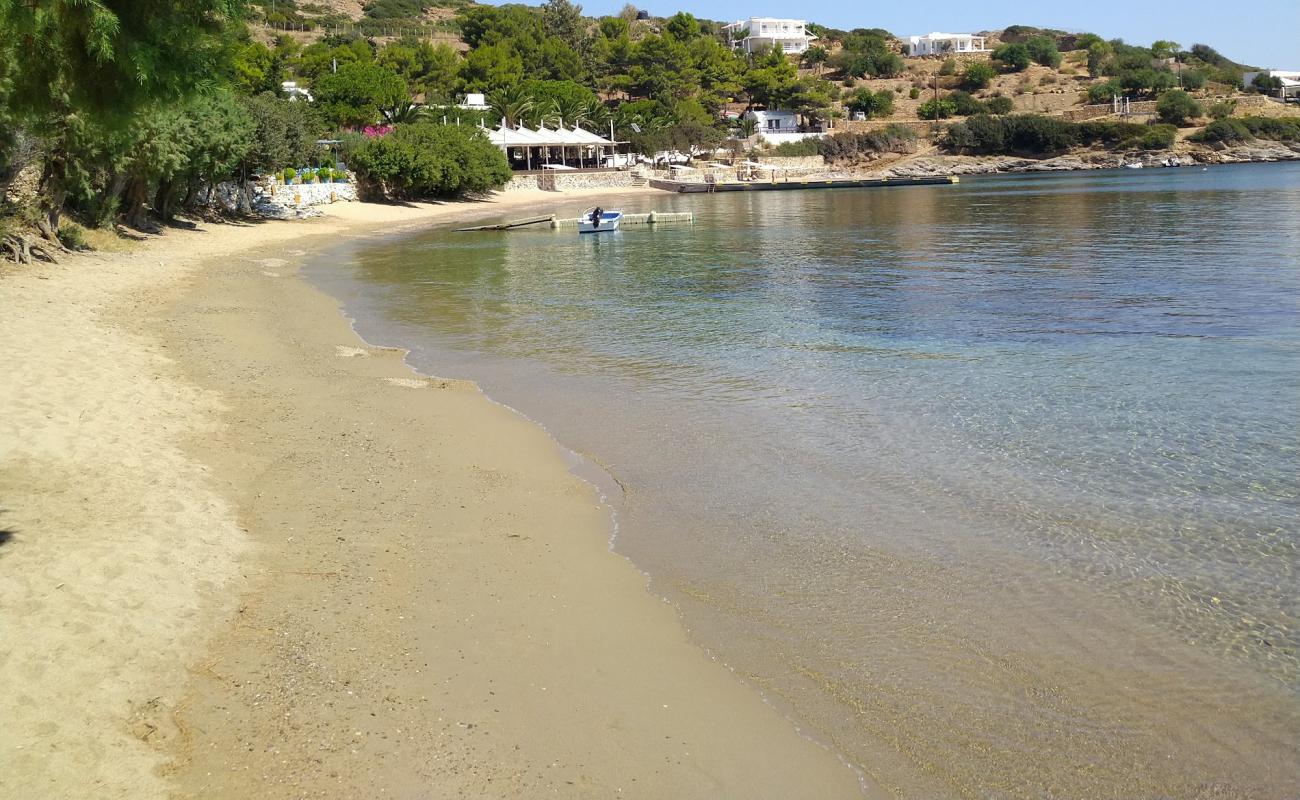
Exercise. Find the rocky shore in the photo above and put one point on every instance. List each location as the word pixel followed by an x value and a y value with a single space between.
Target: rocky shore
pixel 930 165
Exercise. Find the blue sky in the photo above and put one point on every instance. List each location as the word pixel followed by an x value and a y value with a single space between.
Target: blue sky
pixel 1261 32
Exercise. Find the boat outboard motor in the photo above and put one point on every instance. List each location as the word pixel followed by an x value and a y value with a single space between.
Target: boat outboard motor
pixel 596 214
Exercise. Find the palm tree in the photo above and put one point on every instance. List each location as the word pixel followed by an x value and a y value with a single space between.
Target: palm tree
pixel 404 111
pixel 746 127
pixel 512 104
pixel 597 115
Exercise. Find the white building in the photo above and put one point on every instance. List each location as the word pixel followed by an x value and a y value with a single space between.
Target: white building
pixel 293 91
pixel 942 44
pixel 475 101
pixel 1290 80
pixel 774 121
pixel 762 33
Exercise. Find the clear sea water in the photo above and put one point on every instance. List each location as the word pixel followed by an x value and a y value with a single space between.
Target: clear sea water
pixel 992 488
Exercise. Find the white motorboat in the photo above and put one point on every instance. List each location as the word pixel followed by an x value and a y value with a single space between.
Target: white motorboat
pixel 598 220
pixel 1134 165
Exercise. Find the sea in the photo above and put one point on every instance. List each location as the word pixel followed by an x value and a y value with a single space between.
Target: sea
pixel 992 488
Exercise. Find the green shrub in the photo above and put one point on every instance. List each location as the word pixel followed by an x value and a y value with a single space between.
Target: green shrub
pixel 1158 137
pixel 338 176
pixel 999 105
pixel 1223 109
pixel 977 76
pixel 803 147
pixel 1034 133
pixel 847 146
pixel 324 174
pixel 72 238
pixel 425 160
pixel 1193 79
pixel 936 109
pixel 1224 130
pixel 1014 57
pixel 1176 107
pixel 1103 92
pixel 289 174
pixel 949 67
pixel 964 105
pixel 1043 51
pixel 914 93
pixel 1280 129
pixel 872 104
pixel 979 134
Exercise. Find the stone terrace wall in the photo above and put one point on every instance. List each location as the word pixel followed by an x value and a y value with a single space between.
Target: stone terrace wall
pixel 793 162
pixel 561 181
pixel 1105 110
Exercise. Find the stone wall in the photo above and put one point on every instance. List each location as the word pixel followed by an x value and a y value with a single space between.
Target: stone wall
pixel 1144 107
pixel 282 200
pixel 792 162
pixel 562 181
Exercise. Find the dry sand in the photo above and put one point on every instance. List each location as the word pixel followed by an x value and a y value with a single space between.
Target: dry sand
pixel 246 553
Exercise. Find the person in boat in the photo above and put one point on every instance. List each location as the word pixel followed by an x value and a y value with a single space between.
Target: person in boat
pixel 596 214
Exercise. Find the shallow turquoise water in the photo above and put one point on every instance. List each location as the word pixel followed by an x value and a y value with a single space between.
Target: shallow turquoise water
pixel 992 487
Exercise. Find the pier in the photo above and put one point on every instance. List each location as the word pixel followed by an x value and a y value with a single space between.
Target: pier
pixel 798 183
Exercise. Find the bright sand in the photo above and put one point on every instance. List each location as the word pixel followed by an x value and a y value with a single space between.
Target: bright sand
pixel 246 553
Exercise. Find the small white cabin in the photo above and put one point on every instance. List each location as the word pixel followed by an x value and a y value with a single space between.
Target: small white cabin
pixel 475 101
pixel 774 121
pixel 942 44
pixel 1290 80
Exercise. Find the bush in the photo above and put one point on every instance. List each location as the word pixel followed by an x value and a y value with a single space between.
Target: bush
pixel 289 174
pixel 999 105
pixel 847 146
pixel 964 105
pixel 979 134
pixel 1014 57
pixel 977 76
pixel 914 93
pixel 1176 107
pixel 1158 137
pixel 803 147
pixel 1033 133
pixel 949 67
pixel 1043 51
pixel 1193 79
pixel 1279 129
pixel 872 104
pixel 424 160
pixel 72 238
pixel 936 109
pixel 324 174
pixel 1103 92
pixel 1223 130
pixel 1223 109
pixel 338 176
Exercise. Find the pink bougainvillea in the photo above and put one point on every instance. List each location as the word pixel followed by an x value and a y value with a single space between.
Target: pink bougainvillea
pixel 375 131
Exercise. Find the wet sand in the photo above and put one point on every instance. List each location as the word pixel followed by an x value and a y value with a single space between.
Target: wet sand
pixel 248 553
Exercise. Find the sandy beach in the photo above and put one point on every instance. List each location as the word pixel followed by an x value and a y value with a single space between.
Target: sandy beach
pixel 245 552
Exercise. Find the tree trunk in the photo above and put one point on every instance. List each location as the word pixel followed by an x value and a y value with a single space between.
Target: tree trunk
pixel 135 212
pixel 162 200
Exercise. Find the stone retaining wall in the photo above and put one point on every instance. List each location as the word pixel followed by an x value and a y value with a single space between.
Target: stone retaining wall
pixel 792 162
pixel 561 181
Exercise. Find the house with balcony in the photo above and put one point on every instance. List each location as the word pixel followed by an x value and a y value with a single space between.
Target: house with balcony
pixel 1288 82
pixel 764 33
pixel 944 44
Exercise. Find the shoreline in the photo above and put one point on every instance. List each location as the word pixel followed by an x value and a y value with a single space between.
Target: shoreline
pixel 216 592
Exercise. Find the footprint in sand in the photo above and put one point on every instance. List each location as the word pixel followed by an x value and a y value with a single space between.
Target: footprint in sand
pixel 343 351
pixel 271 274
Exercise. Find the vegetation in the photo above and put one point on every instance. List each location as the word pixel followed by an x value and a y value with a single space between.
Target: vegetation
pixel 977 76
pixel 1014 57
pixel 1032 134
pixel 427 160
pixel 1176 107
pixel 1244 129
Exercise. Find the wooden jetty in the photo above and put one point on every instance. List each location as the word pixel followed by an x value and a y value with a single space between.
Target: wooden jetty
pixel 797 183
pixel 551 221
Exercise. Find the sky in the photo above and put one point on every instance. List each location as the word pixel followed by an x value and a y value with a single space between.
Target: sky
pixel 1263 33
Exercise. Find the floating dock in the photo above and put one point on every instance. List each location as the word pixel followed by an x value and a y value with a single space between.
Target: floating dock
pixel 797 183
pixel 551 221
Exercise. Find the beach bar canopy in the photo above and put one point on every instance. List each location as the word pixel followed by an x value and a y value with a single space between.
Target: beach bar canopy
pixel 566 146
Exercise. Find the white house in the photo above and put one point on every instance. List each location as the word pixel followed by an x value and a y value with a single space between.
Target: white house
pixel 942 44
pixel 761 33
pixel 475 101
pixel 293 91
pixel 1290 80
pixel 774 121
